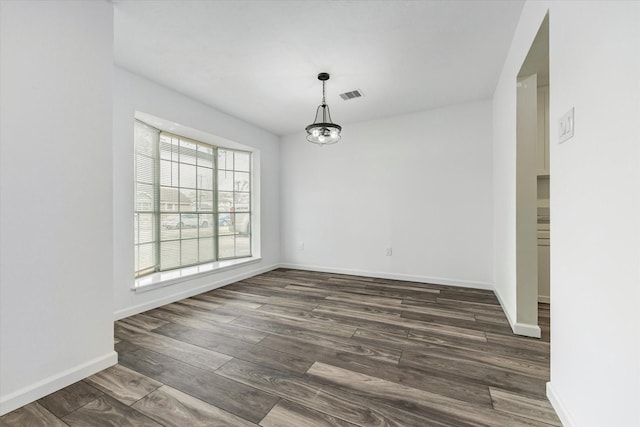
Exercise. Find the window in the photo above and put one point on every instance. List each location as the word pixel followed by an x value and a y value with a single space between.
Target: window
pixel 193 202
pixel 234 204
pixel 145 219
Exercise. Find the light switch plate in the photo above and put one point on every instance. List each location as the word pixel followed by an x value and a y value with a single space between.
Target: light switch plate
pixel 565 130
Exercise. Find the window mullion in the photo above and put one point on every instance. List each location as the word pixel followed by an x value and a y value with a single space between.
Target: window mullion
pixel 216 223
pixel 249 232
pixel 156 204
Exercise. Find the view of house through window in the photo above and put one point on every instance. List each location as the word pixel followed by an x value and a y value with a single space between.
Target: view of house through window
pixel 192 202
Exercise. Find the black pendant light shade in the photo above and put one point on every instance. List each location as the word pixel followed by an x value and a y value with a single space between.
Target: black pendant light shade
pixel 323 131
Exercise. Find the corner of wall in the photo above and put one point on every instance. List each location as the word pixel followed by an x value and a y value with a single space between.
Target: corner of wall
pixel 55 382
pixel 559 407
pixel 180 294
pixel 524 329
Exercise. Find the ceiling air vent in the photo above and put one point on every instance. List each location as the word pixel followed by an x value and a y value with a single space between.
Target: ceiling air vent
pixel 350 95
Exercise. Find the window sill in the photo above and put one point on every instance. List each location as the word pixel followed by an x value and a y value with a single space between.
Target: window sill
pixel 171 277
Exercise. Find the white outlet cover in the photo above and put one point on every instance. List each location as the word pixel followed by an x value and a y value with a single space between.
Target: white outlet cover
pixel 565 128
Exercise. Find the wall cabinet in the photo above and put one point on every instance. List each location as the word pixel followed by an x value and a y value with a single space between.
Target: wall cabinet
pixel 542 145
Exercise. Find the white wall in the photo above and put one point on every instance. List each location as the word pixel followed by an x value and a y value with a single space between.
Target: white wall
pixel 56 292
pixel 504 162
pixel 131 93
pixel 418 183
pixel 595 205
pixel 526 208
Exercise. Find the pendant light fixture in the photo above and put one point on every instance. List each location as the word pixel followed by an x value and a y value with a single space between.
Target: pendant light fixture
pixel 323 131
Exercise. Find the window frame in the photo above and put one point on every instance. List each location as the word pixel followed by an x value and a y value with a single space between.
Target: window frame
pixel 157 213
pixel 155 232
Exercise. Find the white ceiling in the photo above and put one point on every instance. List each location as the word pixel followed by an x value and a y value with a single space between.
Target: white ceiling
pixel 258 60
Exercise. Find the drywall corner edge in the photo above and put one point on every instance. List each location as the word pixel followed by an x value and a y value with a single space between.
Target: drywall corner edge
pixel 527 330
pixel 47 386
pixel 560 409
pixel 504 308
pixel 524 329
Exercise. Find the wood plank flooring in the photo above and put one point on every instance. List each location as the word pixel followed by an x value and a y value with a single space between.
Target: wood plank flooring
pixel 298 348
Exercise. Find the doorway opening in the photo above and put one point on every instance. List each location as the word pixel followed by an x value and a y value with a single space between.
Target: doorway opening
pixel 533 296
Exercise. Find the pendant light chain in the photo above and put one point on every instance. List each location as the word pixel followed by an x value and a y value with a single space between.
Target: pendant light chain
pixel 324 102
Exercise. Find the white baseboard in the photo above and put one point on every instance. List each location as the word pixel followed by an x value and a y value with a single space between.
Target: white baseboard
pixel 504 309
pixel 168 299
pixel 392 276
pixel 47 386
pixel 543 299
pixel 560 409
pixel 525 329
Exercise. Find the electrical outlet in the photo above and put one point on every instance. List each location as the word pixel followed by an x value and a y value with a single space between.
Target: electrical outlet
pixel 389 251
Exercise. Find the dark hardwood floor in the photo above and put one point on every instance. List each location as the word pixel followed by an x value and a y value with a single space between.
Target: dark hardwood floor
pixel 298 348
